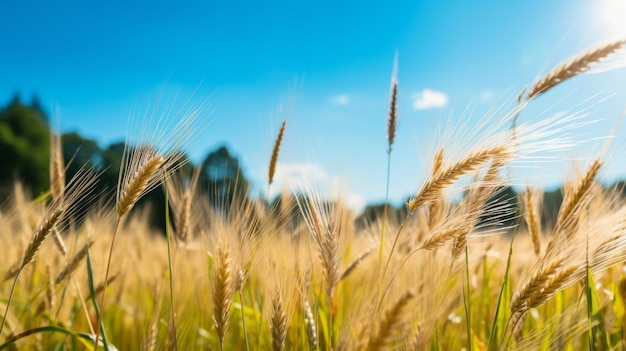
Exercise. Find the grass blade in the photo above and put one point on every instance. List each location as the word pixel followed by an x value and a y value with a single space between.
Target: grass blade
pixel 94 300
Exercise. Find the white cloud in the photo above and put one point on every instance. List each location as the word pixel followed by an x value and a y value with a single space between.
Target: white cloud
pixel 293 174
pixel 301 176
pixel 428 98
pixel 340 99
pixel 341 190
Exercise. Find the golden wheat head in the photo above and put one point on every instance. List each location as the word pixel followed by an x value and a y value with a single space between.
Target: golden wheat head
pixel 573 67
pixel 275 150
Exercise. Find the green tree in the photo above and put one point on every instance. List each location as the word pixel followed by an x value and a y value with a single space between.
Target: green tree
pixel 222 178
pixel 551 204
pixel 24 146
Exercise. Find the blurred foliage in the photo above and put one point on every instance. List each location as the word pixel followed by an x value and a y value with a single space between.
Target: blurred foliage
pixel 25 151
pixel 24 146
pixel 222 179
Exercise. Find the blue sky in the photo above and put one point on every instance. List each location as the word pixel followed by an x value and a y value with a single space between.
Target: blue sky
pixel 324 65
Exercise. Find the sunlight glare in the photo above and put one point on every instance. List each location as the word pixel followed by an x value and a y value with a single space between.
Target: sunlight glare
pixel 612 17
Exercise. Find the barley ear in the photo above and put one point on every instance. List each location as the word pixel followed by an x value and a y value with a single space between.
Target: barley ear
pixel 50 294
pixel 222 292
pixel 100 288
pixel 355 264
pixel 447 175
pixel 40 235
pixel 548 279
pixel 310 326
pixel 393 114
pixel 329 250
pixel 533 220
pixel 184 219
pixel 436 207
pixel 389 322
pixel 278 322
pixel 58 241
pixel 73 263
pixel 137 184
pixel 57 167
pixel 275 150
pixel 573 199
pixel 573 67
pixel 151 339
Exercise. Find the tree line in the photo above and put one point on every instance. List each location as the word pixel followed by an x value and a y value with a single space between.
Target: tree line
pixel 25 149
pixel 25 152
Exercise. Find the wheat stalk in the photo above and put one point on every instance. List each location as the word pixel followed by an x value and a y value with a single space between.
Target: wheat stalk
pixel 58 241
pixel 275 150
pixel 540 286
pixel 222 293
pixel 310 326
pixel 181 195
pixel 573 199
pixel 184 217
pixel 573 67
pixel 436 207
pixel 41 234
pixel 533 221
pixel 80 185
pixel 57 167
pixel 100 287
pixel 138 183
pixel 386 326
pixel 546 287
pixel 355 264
pixel 391 134
pixel 556 283
pixel 431 190
pixel 151 339
pixel 445 233
pixel 316 226
pixel 328 245
pixel 50 295
pixel 73 263
pixel 477 201
pixel 392 119
pixel 278 322
pixel 172 339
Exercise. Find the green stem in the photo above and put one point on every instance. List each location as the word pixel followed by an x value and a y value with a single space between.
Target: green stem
pixel 94 300
pixel 6 311
pixel 331 333
pixel 243 319
pixel 467 301
pixel 106 281
pixel 168 236
pixel 52 329
pixel 382 232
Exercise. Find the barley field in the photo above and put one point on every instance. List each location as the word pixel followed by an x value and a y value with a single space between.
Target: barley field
pixel 83 270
